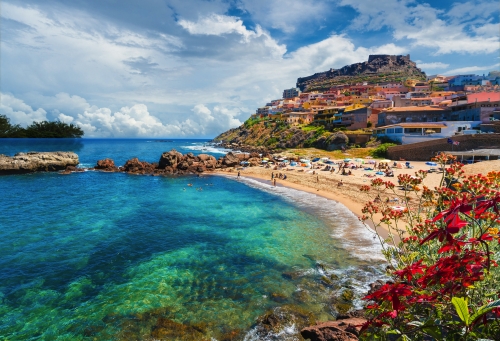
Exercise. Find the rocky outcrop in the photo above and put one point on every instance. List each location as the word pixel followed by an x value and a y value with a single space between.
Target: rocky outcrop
pixel 106 165
pixel 173 162
pixel 37 162
pixel 334 141
pixel 385 65
pixel 340 330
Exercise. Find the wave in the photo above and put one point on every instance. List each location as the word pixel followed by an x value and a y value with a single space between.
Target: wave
pixel 353 235
pixel 206 149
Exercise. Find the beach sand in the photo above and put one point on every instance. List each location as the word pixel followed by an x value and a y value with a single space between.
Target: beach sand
pixel 325 184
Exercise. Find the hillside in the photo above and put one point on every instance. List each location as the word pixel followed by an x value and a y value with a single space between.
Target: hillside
pixel 378 69
pixel 278 136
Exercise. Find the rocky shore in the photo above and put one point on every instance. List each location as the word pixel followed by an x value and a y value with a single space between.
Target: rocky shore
pixel 173 162
pixel 22 163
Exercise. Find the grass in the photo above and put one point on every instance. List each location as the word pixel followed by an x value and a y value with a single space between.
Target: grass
pixel 335 154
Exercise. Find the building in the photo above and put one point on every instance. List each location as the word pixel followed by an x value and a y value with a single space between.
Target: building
pixel 397 115
pixel 414 132
pixel 290 93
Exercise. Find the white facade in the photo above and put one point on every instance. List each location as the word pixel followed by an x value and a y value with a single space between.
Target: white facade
pixel 407 133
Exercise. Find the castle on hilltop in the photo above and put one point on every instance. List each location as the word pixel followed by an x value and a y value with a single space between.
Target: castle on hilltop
pixel 392 58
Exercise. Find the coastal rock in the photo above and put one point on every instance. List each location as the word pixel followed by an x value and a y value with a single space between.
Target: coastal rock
pixel 37 162
pixel 170 159
pixel 278 319
pixel 106 164
pixel 341 330
pixel 230 160
pixel 138 167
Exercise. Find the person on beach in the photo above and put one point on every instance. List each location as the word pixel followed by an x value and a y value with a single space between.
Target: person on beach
pixel 274 182
pixel 238 174
pixel 340 184
pixel 272 175
pixel 317 178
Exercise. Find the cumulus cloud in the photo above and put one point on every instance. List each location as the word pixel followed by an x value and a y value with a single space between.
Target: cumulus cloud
pixel 19 112
pixel 128 121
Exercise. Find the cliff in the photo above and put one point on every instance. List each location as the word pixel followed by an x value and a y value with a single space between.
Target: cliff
pixel 378 68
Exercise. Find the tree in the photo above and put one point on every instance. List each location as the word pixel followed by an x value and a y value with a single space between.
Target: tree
pixel 9 130
pixel 53 129
pixel 42 129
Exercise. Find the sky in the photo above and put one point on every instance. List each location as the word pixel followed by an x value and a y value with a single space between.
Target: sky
pixel 195 68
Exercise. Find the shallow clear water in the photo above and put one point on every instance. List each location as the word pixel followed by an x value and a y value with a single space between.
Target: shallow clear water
pixel 103 255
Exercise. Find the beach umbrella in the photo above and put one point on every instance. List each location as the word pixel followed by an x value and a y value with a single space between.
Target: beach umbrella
pixel 264 161
pixel 358 160
pixel 266 158
pixel 347 160
pixel 371 161
pixel 432 164
pixel 385 160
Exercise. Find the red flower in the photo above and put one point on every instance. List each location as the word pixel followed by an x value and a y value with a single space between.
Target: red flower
pixel 411 270
pixel 391 292
pixel 451 216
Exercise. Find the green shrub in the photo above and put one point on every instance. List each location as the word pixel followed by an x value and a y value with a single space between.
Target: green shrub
pixel 381 151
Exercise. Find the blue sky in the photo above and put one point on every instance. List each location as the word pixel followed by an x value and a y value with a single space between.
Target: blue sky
pixel 193 68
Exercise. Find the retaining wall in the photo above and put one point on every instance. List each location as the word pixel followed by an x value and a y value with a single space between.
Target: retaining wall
pixel 424 151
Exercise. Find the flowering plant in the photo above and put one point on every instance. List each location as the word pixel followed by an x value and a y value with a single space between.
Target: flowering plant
pixel 443 246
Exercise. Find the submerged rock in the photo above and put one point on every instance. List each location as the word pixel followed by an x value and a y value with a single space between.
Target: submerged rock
pixel 166 329
pixel 37 162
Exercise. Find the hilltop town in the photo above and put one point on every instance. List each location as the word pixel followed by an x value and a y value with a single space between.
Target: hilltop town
pixel 413 109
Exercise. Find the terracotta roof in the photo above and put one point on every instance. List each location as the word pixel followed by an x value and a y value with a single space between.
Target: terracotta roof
pixel 415 108
pixel 416 125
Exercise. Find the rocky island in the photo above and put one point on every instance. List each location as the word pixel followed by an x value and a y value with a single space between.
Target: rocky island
pixel 22 163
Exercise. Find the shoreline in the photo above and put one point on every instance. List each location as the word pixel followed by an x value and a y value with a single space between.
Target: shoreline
pixel 353 206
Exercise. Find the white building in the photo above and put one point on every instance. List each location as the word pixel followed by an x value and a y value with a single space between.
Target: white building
pixel 412 132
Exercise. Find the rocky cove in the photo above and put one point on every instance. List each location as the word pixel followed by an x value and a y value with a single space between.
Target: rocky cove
pixel 274 321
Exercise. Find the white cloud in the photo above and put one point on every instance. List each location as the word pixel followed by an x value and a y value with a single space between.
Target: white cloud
pixel 287 15
pixel 19 112
pixel 469 69
pixel 427 27
pixel 433 65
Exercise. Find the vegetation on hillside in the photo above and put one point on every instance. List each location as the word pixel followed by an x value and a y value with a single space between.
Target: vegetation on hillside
pixel 44 129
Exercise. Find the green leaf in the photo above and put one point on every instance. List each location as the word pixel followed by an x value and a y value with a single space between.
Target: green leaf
pixel 484 310
pixel 462 308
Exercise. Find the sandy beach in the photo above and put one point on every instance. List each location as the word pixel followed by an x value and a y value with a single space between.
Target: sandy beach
pixel 326 184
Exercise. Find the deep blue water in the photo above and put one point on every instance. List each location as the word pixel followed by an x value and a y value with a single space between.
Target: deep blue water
pixel 100 256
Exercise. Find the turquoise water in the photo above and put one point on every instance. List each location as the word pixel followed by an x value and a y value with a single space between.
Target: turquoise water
pixel 103 256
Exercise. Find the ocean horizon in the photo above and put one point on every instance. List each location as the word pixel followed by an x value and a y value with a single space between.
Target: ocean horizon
pixel 112 256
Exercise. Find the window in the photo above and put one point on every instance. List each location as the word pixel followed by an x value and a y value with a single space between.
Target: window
pixel 390 131
pixel 398 130
pixel 413 130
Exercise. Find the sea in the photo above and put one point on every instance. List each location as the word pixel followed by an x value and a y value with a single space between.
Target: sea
pixel 111 256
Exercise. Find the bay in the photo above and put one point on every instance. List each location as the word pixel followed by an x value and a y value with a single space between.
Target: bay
pixel 110 256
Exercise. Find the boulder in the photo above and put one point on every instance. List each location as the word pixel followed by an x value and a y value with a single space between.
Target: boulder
pixel 230 160
pixel 106 164
pixel 340 330
pixel 169 159
pixel 37 162
pixel 138 167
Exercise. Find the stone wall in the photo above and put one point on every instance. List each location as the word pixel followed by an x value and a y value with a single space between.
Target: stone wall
pixel 359 138
pixel 424 151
